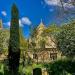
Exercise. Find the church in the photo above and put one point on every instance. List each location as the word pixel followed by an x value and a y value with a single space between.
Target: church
pixel 45 49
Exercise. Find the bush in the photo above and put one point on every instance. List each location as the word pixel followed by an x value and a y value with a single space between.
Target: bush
pixel 61 67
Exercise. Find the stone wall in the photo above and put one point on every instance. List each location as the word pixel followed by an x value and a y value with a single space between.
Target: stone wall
pixel 47 55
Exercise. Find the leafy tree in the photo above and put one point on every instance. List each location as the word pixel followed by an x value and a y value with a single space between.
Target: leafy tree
pixel 66 39
pixel 1 40
pixel 33 31
pixel 23 41
pixel 4 39
pixel 33 37
pixel 23 47
pixel 52 32
pixel 61 67
pixel 64 11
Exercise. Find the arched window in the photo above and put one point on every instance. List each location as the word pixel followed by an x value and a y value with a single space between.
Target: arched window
pixel 35 56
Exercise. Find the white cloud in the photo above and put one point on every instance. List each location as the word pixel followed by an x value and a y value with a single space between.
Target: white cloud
pixel 4 13
pixel 52 2
pixel 22 22
pixel 7 23
pixel 58 3
pixel 26 20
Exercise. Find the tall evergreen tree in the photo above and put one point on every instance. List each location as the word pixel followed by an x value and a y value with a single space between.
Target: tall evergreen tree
pixel 14 42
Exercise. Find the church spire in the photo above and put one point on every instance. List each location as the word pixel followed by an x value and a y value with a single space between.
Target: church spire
pixel 41 25
pixel 41 21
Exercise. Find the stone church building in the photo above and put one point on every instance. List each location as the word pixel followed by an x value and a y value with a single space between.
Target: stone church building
pixel 45 48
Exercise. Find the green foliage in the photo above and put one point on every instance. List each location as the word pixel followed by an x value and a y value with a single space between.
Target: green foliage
pixel 61 67
pixel 23 41
pixel 29 68
pixel 4 39
pixel 66 39
pixel 52 30
pixel 14 42
pixel 33 31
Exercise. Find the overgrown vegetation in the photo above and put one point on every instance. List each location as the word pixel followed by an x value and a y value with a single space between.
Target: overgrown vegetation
pixel 64 38
pixel 61 67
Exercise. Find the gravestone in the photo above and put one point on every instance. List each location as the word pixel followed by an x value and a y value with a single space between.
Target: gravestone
pixel 37 71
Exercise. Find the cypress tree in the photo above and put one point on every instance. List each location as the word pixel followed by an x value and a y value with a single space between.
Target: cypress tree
pixel 14 42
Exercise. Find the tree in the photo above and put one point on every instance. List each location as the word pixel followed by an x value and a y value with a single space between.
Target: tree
pixel 14 42
pixel 23 47
pixel 61 67
pixel 1 40
pixel 52 29
pixel 4 39
pixel 23 42
pixel 65 9
pixel 66 39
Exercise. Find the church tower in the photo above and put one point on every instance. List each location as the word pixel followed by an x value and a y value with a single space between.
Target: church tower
pixel 41 28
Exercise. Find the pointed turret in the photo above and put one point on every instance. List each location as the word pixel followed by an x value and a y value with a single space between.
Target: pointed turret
pixel 41 24
pixel 41 21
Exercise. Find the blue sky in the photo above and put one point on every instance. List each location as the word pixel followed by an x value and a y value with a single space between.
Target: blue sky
pixel 32 11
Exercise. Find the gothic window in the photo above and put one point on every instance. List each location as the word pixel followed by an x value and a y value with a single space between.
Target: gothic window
pixel 53 56
pixel 35 56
